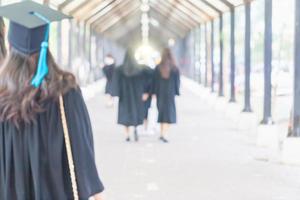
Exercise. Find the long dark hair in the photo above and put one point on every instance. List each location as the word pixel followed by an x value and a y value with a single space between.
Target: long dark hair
pixel 167 63
pixel 130 67
pixel 19 101
pixel 2 40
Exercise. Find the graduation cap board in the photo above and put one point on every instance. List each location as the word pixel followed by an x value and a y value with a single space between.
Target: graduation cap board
pixel 29 31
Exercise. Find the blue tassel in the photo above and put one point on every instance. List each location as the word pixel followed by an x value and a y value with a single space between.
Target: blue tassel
pixel 42 67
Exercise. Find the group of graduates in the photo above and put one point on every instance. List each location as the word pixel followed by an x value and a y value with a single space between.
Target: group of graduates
pixel 136 84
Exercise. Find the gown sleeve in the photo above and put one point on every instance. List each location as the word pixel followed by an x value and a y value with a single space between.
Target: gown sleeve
pixel 105 71
pixel 81 136
pixel 177 83
pixel 116 89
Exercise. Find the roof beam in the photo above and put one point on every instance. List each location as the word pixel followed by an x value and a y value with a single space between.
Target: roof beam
pixel 64 4
pixel 178 10
pixel 192 15
pixel 119 17
pixel 212 6
pixel 172 12
pixel 192 7
pixel 105 11
pixel 198 3
pixel 172 26
pixel 109 10
pixel 86 8
pixel 80 6
pixel 123 26
pixel 177 23
pixel 97 9
pixel 227 3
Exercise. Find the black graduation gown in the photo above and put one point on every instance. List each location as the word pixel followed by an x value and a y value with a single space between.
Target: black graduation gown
pixel 108 71
pixel 33 161
pixel 130 90
pixel 165 91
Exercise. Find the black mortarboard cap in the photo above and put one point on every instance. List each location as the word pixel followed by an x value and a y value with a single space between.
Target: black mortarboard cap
pixel 27 31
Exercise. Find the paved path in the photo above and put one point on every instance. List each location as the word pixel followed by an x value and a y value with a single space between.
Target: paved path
pixel 207 159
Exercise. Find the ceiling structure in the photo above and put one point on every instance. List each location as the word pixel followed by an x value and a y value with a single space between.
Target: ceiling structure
pixel 120 20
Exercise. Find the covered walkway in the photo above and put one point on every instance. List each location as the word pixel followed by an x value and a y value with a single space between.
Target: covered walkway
pixel 207 158
pixel 238 135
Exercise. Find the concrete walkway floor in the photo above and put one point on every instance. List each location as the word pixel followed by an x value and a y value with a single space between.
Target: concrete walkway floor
pixel 206 159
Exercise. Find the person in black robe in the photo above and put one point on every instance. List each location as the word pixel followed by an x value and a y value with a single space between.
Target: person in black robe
pixel 33 160
pixel 130 81
pixel 166 87
pixel 108 71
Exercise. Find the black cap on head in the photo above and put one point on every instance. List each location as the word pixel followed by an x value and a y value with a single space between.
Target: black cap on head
pixel 27 31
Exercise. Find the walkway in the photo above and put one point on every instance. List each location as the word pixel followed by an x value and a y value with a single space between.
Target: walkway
pixel 207 159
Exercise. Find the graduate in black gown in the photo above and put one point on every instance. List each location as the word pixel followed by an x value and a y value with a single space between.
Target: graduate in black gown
pixel 33 160
pixel 108 71
pixel 129 85
pixel 2 41
pixel 166 87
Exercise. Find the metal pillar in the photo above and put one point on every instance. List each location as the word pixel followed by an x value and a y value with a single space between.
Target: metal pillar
pixel 296 103
pixel 206 57
pixel 70 47
pixel 59 43
pixel 221 80
pixel 84 41
pixel 232 55
pixel 90 47
pixel 212 58
pixel 267 118
pixel 247 106
pixel 199 56
pixel 97 49
pixel 78 40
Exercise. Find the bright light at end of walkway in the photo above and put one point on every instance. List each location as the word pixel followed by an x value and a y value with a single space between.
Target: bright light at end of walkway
pixel 171 42
pixel 146 54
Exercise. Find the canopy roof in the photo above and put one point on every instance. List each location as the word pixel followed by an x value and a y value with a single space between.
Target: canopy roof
pixel 168 18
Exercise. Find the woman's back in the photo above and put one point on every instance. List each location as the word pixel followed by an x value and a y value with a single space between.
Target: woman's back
pixel 34 164
pixel 130 89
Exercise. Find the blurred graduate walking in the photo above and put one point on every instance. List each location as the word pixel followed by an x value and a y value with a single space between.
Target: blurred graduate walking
pixel 130 85
pixel 166 87
pixel 108 71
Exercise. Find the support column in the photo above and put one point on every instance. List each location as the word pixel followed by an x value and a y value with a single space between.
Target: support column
pixel 84 41
pixel 78 41
pixel 59 43
pixel 247 106
pixel 90 47
pixel 232 56
pixel 296 103
pixel 206 57
pixel 70 47
pixel 221 79
pixel 97 49
pixel 199 54
pixel 267 118
pixel 212 58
